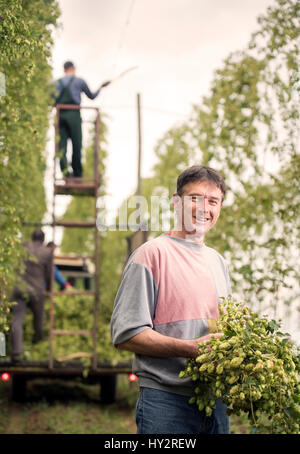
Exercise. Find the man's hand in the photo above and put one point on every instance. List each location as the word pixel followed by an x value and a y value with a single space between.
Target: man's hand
pixel 105 84
pixel 208 337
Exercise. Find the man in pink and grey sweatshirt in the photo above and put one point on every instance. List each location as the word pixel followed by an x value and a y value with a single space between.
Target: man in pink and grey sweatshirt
pixel 170 290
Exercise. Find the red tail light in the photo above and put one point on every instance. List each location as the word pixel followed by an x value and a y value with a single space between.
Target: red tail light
pixel 132 378
pixel 5 376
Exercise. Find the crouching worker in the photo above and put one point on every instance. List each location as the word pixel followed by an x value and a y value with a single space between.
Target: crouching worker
pixel 29 291
pixel 170 289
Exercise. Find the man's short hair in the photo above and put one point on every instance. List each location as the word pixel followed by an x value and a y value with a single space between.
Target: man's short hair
pixel 38 235
pixel 200 173
pixel 68 65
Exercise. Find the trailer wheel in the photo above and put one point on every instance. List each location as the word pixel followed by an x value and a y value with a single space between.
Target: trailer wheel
pixel 18 388
pixel 108 389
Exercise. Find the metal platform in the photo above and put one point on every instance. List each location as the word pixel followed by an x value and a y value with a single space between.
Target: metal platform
pixel 76 187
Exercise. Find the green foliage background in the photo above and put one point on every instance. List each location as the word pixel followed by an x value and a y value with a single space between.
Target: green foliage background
pixel 25 39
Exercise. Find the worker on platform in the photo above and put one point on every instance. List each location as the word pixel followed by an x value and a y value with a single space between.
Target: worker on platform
pixel 29 291
pixel 69 89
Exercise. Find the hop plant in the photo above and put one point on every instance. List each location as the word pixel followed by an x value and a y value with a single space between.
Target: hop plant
pixel 5 309
pixel 254 368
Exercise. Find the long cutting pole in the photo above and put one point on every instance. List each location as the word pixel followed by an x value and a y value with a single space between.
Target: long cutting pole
pixel 139 184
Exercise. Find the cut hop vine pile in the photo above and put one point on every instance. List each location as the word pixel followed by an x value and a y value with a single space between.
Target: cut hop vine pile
pixel 71 313
pixel 254 368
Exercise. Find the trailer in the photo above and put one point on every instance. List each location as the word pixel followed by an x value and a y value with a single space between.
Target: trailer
pixel 74 267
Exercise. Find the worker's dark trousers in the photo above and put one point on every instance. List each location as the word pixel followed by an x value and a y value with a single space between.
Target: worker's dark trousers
pixel 70 128
pixel 36 304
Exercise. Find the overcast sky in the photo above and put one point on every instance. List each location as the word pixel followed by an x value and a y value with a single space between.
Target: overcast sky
pixel 176 44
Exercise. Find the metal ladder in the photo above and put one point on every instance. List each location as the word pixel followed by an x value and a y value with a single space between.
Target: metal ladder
pixel 78 187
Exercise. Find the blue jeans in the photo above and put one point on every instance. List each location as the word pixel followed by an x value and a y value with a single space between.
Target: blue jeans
pixel 161 412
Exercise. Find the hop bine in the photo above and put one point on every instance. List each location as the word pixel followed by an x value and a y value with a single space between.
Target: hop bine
pixel 254 368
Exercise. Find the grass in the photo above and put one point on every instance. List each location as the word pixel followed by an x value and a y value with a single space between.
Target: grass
pixel 71 407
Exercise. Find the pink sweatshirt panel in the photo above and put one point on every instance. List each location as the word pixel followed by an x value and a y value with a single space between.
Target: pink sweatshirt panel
pixel 188 291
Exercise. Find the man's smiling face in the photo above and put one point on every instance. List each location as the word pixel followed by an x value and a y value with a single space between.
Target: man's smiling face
pixel 201 203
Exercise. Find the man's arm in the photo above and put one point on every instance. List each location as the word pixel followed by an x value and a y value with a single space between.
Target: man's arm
pixel 152 343
pixel 87 91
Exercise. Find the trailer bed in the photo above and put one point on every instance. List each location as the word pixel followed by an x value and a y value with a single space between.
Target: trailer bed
pixel 105 374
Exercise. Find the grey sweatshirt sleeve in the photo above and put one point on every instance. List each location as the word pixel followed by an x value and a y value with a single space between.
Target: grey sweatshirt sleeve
pixel 134 305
